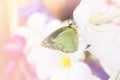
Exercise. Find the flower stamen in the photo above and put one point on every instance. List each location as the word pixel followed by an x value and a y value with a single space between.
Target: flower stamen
pixel 66 62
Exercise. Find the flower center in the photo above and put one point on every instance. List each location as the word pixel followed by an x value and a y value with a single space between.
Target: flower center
pixel 66 62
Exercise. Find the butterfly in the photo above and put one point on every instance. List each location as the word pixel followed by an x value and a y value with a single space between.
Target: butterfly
pixel 64 39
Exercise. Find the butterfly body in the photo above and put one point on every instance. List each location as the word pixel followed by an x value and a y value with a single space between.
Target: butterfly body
pixel 64 39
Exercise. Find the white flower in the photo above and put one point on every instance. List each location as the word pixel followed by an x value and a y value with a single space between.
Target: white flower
pixel 55 65
pixel 101 29
pixel 86 10
pixel 91 17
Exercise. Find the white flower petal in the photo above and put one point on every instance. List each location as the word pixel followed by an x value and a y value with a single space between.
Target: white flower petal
pixel 79 71
pixel 52 26
pixel 86 10
pixel 109 54
pixel 82 16
pixel 116 39
pixel 36 22
pixel 45 70
pixel 60 75
pixel 100 34
pixel 41 54
pixel 32 41
pixel 21 31
pixel 91 77
pixel 45 60
pixel 95 6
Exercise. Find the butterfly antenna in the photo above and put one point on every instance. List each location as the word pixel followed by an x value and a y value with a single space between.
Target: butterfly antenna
pixel 69 23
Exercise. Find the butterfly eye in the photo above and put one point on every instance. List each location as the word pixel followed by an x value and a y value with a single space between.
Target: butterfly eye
pixel 64 39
